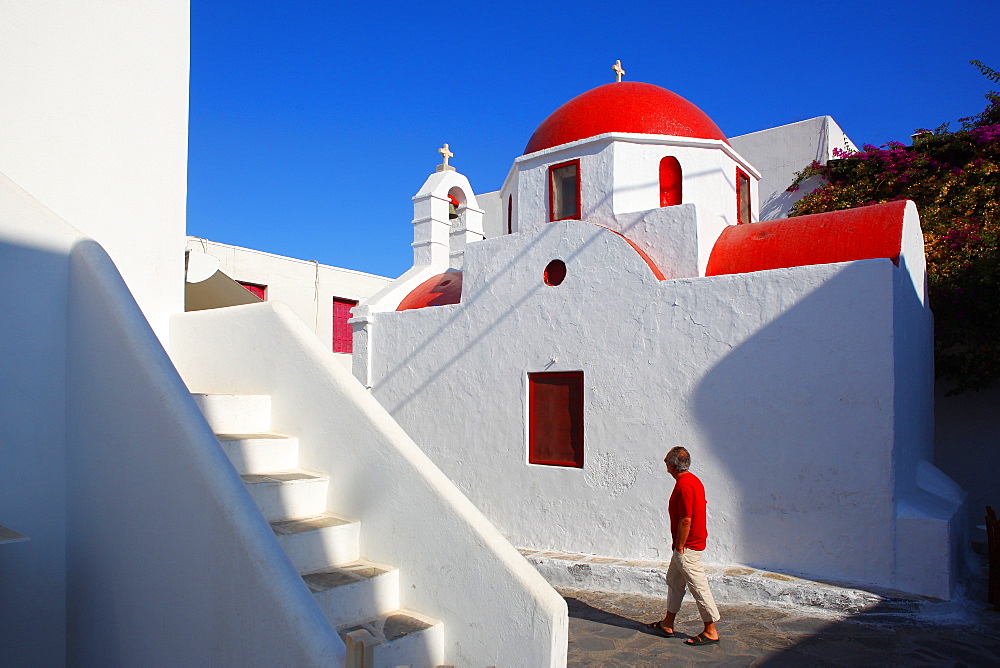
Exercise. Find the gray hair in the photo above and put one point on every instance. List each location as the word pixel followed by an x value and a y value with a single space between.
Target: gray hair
pixel 679 458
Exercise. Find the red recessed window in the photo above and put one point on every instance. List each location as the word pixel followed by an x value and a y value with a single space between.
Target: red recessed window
pixel 564 191
pixel 259 290
pixel 742 198
pixel 343 339
pixel 670 181
pixel 510 214
pixel 555 418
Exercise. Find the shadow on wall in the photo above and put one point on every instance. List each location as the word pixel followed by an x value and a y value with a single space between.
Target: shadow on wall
pixel 32 452
pixel 457 315
pixel 797 421
pixel 967 444
pixel 779 203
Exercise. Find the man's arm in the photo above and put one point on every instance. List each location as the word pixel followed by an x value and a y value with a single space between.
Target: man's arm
pixel 683 529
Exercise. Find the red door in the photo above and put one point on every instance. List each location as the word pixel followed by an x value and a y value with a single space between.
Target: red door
pixel 342 338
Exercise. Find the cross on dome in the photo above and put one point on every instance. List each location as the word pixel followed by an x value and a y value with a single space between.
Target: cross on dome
pixel 618 70
pixel 445 154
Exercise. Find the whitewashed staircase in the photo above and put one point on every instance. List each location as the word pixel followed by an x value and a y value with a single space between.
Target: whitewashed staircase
pixel 358 597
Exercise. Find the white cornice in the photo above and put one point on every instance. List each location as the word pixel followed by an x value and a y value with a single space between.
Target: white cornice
pixel 635 138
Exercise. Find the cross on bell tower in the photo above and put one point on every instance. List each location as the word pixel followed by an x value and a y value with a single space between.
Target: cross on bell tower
pixel 445 154
pixel 618 70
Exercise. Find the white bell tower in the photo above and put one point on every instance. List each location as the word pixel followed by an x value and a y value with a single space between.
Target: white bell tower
pixel 446 218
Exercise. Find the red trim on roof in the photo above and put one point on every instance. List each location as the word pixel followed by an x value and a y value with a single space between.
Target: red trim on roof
pixel 438 290
pixel 865 233
pixel 652 265
pixel 626 106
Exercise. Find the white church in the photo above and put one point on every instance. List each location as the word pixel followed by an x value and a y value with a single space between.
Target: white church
pixel 636 303
pixel 355 492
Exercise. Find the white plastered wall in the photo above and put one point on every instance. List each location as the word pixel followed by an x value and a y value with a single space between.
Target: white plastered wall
pixel 779 153
pixel 307 287
pixel 779 382
pixel 494 214
pixel 94 125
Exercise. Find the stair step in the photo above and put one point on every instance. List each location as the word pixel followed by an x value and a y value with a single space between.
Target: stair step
pixel 353 591
pixel 236 413
pixel 402 638
pixel 321 546
pixel 285 495
pixel 260 453
pixel 314 543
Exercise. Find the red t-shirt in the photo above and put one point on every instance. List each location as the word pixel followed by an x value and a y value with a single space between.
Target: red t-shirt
pixel 688 500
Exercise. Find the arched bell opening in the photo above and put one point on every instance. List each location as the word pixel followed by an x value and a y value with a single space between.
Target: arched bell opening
pixel 457 201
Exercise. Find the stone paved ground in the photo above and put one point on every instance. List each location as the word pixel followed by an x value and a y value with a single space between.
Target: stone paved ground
pixel 605 631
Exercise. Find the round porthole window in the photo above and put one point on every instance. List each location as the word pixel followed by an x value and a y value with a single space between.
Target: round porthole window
pixel 555 272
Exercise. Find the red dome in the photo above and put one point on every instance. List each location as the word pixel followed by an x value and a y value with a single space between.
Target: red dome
pixel 626 106
pixel 437 290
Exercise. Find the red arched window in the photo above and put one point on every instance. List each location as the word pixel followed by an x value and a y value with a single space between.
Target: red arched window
pixel 670 181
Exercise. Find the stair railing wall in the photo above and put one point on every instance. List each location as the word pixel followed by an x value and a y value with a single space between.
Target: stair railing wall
pixel 169 560
pixel 453 563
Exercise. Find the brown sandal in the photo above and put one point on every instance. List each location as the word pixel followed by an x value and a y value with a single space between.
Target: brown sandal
pixel 657 630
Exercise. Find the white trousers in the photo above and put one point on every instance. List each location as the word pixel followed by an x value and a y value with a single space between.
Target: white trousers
pixel 686 571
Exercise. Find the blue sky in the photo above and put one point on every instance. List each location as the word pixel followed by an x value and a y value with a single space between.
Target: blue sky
pixel 314 123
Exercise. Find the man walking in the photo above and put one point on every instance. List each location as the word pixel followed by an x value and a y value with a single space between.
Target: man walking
pixel 689 532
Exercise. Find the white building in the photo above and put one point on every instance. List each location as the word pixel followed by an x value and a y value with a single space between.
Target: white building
pixel 320 295
pixel 637 304
pixel 780 153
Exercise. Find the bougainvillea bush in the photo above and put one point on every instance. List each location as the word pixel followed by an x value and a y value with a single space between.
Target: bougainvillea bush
pixel 954 178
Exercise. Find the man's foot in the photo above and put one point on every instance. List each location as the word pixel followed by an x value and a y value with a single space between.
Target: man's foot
pixel 701 639
pixel 657 630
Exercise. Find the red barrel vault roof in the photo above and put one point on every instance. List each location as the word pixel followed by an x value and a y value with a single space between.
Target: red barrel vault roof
pixel 625 106
pixel 437 290
pixel 865 233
